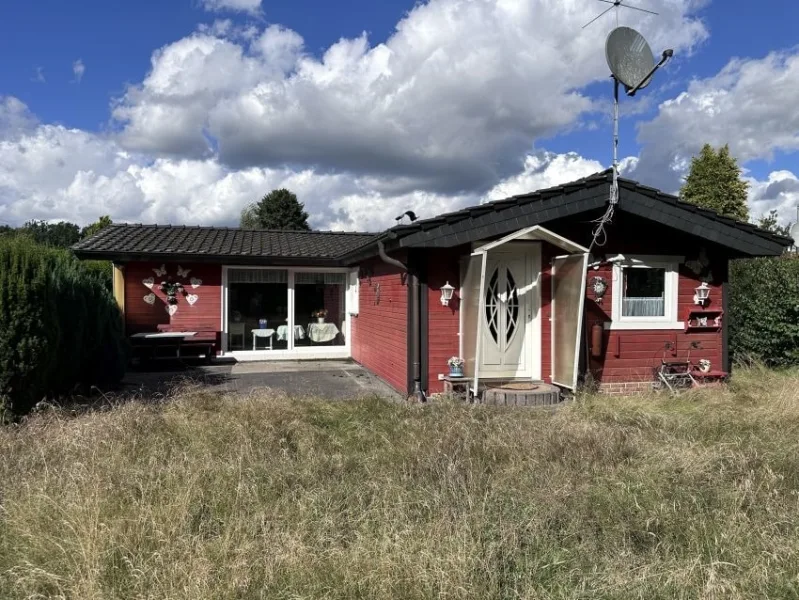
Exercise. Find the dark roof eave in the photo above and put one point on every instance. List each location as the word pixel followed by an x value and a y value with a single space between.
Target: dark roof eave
pixel 237 259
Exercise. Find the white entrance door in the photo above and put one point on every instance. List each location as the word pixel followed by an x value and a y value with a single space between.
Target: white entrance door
pixel 507 344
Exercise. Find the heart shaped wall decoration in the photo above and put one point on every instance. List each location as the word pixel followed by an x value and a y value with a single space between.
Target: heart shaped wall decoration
pixel 171 309
pixel 150 299
pixel 192 298
pixel 195 283
pixel 149 282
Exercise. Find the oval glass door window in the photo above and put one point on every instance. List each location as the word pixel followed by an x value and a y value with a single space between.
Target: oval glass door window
pixel 512 308
pixel 492 306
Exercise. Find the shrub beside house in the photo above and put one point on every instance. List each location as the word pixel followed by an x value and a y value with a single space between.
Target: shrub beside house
pixel 60 329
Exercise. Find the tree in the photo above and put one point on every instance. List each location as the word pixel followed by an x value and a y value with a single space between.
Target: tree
pixel 714 182
pixel 279 209
pixel 56 235
pixel 769 222
pixel 96 227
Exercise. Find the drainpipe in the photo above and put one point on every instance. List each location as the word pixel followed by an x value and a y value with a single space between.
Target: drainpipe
pixel 415 320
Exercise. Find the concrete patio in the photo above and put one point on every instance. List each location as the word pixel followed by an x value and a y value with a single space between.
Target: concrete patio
pixel 328 379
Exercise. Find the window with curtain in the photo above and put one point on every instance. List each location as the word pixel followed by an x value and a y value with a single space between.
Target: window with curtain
pixel 644 292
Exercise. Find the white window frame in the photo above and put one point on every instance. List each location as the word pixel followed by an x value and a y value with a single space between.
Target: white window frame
pixel 670 296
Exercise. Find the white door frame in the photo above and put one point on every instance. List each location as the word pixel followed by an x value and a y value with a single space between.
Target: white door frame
pixel 534 233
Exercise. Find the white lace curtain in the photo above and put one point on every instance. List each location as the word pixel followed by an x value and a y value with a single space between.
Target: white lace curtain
pixel 257 276
pixel 303 277
pixel 643 307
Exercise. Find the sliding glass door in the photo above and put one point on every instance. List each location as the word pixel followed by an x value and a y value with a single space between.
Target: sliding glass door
pixel 270 309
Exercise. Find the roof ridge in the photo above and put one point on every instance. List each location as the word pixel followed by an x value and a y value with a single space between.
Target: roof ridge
pixel 244 229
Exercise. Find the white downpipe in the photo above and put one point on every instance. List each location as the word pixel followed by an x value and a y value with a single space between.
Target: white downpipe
pixel 480 311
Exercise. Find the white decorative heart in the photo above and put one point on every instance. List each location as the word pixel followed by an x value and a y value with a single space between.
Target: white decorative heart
pixel 171 309
pixel 192 298
pixel 150 299
pixel 195 283
pixel 149 282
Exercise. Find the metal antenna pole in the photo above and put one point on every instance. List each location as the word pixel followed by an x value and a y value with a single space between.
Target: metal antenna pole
pixel 614 188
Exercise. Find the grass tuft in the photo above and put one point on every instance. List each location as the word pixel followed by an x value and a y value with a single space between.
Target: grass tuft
pixel 266 496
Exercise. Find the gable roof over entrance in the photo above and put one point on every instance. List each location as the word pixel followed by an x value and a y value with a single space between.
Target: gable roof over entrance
pixel 502 217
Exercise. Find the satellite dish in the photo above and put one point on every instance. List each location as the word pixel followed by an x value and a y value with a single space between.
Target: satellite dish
pixel 629 57
pixel 795 234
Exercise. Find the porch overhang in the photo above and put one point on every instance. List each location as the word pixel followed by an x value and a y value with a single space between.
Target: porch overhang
pixel 536 233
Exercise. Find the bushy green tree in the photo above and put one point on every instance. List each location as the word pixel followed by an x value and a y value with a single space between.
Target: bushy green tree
pixel 714 182
pixel 96 227
pixel 60 328
pixel 279 209
pixel 764 309
pixel 57 235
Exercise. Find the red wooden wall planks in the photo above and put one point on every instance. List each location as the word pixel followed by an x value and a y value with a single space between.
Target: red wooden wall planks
pixel 379 338
pixel 443 327
pixel 632 355
pixel 204 315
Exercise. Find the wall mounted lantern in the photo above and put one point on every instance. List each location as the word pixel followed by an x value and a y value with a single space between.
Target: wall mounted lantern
pixel 702 294
pixel 446 293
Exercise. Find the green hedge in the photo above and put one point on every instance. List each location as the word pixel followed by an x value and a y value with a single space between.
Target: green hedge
pixel 764 310
pixel 60 328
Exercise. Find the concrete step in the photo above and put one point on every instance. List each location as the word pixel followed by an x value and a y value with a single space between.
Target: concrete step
pixel 521 394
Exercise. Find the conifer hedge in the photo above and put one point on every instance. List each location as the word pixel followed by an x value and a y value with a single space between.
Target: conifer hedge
pixel 60 328
pixel 764 310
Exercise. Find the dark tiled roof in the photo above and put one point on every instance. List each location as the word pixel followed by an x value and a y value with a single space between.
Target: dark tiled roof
pixel 596 179
pixel 165 240
pixel 564 201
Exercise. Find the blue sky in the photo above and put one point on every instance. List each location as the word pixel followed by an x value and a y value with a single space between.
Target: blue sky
pixel 186 110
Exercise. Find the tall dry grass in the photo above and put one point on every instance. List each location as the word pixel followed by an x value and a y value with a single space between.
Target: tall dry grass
pixel 271 497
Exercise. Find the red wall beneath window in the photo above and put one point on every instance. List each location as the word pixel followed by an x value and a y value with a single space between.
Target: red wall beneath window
pixel 379 338
pixel 204 315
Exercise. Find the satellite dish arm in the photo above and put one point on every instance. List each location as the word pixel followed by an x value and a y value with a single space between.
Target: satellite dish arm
pixel 667 54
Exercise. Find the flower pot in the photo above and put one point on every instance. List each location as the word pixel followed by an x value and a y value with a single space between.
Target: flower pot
pixel 320 319
pixel 456 371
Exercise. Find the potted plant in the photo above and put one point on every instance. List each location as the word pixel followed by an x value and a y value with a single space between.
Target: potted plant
pixel 171 289
pixel 455 366
pixel 320 315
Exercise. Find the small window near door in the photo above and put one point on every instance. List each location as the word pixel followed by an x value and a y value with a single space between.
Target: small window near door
pixel 644 292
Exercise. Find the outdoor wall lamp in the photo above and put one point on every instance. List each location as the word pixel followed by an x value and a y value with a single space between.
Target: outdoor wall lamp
pixel 702 294
pixel 446 294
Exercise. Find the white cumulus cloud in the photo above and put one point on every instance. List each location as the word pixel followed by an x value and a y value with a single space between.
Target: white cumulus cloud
pixel 247 6
pixel 448 103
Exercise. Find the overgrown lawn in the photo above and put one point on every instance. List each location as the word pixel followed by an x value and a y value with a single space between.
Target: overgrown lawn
pixel 271 497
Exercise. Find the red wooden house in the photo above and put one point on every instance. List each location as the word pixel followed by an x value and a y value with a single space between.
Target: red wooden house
pixel 541 293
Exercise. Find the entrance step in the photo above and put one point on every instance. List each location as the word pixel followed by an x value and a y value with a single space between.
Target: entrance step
pixel 521 393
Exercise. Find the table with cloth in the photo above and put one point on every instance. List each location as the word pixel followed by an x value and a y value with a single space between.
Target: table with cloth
pixel 321 333
pixel 283 333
